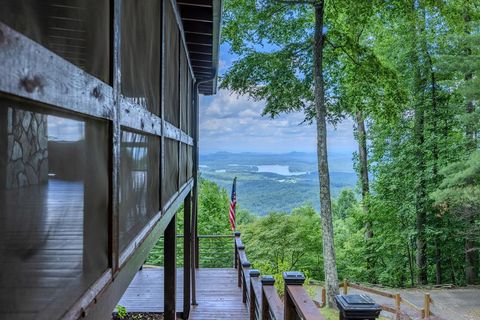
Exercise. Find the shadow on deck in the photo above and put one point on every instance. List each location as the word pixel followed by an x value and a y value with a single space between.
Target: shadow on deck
pixel 218 296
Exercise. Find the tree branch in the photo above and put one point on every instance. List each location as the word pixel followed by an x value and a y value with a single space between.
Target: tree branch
pixel 344 51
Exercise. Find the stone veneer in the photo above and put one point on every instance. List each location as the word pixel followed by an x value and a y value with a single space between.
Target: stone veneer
pixel 27 154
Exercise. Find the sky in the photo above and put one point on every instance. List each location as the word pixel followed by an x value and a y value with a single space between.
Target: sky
pixel 233 123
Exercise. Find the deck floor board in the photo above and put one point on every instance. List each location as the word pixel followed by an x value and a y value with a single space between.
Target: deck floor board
pixel 218 296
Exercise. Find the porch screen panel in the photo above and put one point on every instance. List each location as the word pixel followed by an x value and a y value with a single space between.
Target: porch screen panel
pixel 171 170
pixel 183 89
pixel 183 163
pixel 54 191
pixel 141 52
pixel 189 112
pixel 189 162
pixel 139 184
pixel 76 30
pixel 171 67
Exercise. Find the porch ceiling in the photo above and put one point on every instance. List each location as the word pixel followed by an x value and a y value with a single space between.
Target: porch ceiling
pixel 201 24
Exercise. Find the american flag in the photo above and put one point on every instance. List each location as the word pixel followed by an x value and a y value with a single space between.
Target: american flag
pixel 233 203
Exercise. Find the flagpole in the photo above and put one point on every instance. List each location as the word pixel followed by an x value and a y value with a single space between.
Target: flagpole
pixel 234 194
pixel 235 208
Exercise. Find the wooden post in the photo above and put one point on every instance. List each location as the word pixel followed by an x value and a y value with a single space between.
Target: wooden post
pixel 398 302
pixel 192 251
pixel 324 297
pixel 245 265
pixel 170 270
pixel 426 306
pixel 187 207
pixel 266 281
pixel 239 267
pixel 345 286
pixel 290 279
pixel 235 257
pixel 253 274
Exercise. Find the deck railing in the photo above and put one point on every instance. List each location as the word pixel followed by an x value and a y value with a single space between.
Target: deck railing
pixel 214 251
pixel 260 295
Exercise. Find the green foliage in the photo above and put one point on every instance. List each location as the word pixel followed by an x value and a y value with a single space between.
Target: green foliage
pixel 345 204
pixel 459 192
pixel 121 311
pixel 213 208
pixel 281 242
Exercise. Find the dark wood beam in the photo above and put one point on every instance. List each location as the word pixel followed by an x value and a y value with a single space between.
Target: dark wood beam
pixel 196 3
pixel 199 38
pixel 33 72
pixel 195 49
pixel 170 275
pixel 201 63
pixel 201 57
pixel 198 27
pixel 197 13
pixel 187 215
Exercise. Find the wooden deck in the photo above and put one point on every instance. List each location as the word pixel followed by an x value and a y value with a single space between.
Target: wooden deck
pixel 41 249
pixel 218 296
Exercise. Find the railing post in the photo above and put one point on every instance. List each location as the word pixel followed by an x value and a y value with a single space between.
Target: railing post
pixel 398 306
pixel 291 278
pixel 245 264
pixel 426 306
pixel 253 274
pixel 235 257
pixel 345 287
pixel 324 297
pixel 266 281
pixel 239 266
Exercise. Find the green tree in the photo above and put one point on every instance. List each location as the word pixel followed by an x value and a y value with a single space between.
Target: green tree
pixel 289 77
pixel 459 195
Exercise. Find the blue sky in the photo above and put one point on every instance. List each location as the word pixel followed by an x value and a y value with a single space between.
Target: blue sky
pixel 229 122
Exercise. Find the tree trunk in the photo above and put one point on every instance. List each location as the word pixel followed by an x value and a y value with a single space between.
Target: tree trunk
pixel 363 172
pixel 420 196
pixel 435 176
pixel 419 84
pixel 471 253
pixel 410 264
pixel 362 155
pixel 330 266
pixel 438 262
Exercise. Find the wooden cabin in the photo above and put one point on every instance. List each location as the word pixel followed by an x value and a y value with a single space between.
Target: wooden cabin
pixel 98 149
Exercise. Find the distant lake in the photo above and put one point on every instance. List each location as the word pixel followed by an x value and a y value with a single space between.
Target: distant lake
pixel 279 169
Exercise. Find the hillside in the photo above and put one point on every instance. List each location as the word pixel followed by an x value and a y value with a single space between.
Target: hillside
pixel 275 182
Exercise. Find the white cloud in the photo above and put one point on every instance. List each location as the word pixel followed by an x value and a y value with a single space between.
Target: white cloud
pixel 229 122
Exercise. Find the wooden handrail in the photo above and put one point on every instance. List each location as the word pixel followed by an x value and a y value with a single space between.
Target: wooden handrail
pixel 215 236
pixel 297 302
pixel 272 306
pixel 371 290
pixel 256 293
pixel 304 305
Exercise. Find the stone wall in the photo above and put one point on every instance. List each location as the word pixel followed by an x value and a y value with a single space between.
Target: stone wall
pixel 27 148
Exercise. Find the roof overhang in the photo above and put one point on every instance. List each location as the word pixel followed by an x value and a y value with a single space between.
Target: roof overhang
pixel 201 21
